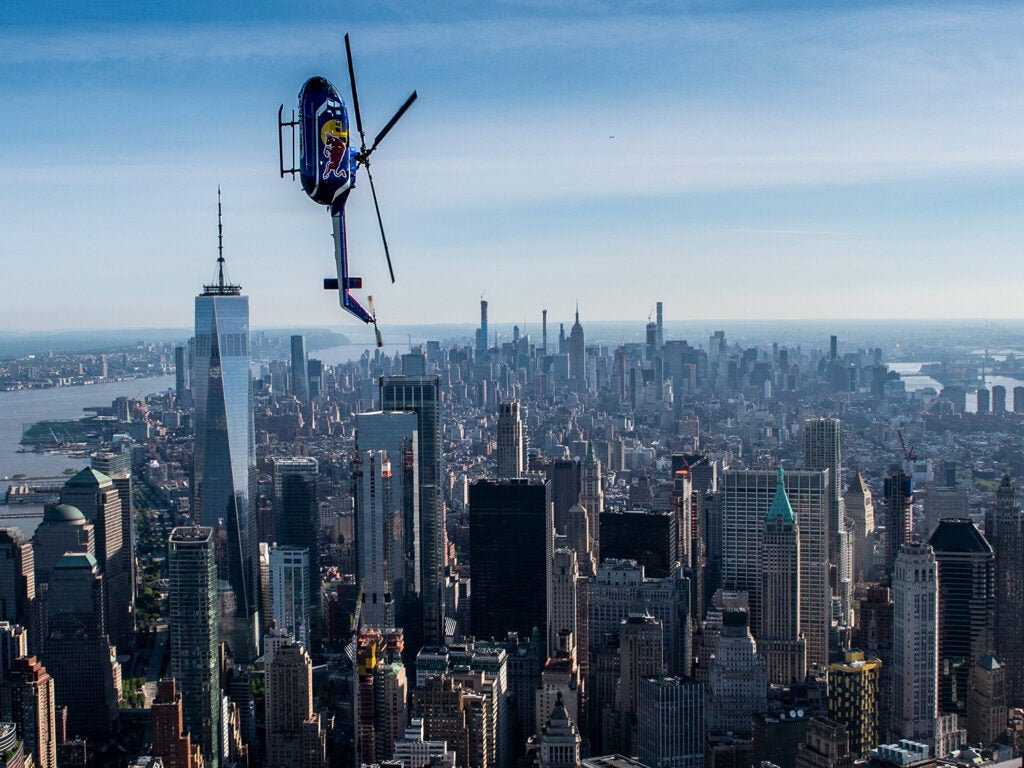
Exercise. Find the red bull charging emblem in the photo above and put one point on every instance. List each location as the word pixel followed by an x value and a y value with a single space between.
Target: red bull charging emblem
pixel 334 137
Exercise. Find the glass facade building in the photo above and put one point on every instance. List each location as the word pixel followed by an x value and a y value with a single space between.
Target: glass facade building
pixel 224 460
pixel 192 571
pixel 422 396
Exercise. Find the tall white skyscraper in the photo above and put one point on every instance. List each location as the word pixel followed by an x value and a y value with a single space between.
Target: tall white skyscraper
pixel 224 459
pixel 915 634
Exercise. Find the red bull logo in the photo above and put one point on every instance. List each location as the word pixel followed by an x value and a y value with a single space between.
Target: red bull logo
pixel 334 138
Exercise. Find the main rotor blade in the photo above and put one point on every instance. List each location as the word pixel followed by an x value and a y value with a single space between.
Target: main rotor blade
pixel 380 222
pixel 391 123
pixel 355 94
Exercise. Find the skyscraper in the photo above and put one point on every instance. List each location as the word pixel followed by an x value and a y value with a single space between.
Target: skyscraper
pixel 378 520
pixel 17 577
pixel 510 441
pixel 194 634
pixel 171 742
pixel 396 435
pixel 28 699
pixel 966 567
pixel 577 356
pixel 295 736
pixel 63 529
pixel 670 714
pixel 181 392
pixel 746 497
pixel 737 685
pixel 99 499
pixel 559 739
pixel 860 513
pixel 853 699
pixel 300 372
pixel 641 654
pixel 915 654
pixel 780 642
pixel 224 459
pixel 289 590
pixel 422 396
pixel 592 496
pixel 1006 534
pixel 77 649
pixel 298 517
pixel 509 557
pixel 117 466
pixel 823 450
pixel 899 514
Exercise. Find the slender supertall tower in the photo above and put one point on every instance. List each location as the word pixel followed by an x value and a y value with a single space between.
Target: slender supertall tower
pixel 915 656
pixel 224 459
pixel 481 334
pixel 422 395
pixel 510 441
pixel 194 639
pixel 781 643
pixel 544 330
pixel 592 498
pixel 1006 535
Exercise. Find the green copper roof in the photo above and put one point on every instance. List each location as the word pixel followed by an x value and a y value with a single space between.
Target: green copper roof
pixel 89 478
pixel 76 560
pixel 781 509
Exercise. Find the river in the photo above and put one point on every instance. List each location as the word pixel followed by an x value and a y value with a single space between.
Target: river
pixel 914 380
pixel 27 406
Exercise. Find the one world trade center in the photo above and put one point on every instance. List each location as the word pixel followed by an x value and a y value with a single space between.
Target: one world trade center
pixel 224 463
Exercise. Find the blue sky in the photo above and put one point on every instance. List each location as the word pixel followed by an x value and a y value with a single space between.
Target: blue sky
pixel 734 160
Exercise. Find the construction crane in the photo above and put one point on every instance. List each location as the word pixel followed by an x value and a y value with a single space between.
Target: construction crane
pixel 909 457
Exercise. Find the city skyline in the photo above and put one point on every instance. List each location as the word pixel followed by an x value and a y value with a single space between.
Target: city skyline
pixel 784 147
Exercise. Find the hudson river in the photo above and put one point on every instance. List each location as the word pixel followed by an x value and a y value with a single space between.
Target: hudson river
pixel 27 406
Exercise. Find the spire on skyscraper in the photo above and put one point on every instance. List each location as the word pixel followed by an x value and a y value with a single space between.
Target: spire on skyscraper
pixel 222 285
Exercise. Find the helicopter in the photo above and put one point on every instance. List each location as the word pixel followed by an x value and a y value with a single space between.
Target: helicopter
pixel 327 170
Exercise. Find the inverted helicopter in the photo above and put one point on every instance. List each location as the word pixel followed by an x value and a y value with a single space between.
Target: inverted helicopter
pixel 327 170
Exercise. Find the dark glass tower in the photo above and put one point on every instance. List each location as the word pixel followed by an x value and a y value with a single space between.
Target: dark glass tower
pixel 509 558
pixel 967 603
pixel 194 642
pixel 298 517
pixel 1006 534
pixel 422 395
pixel 224 461
pixel 300 372
pixel 899 515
